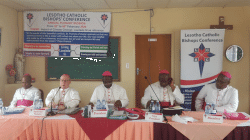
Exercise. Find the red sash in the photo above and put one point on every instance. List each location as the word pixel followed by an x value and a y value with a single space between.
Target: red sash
pixel 166 104
pixel 24 102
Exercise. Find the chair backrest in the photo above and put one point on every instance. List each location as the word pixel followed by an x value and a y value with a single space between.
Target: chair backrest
pixel 42 95
pixel 193 100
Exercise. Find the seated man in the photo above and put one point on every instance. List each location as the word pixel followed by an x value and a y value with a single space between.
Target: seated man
pixel 111 93
pixel 220 94
pixel 27 94
pixel 64 96
pixel 164 90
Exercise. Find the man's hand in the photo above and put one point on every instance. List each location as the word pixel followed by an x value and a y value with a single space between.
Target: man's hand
pixel 172 86
pixel 92 105
pixel 118 104
pixel 53 105
pixel 61 107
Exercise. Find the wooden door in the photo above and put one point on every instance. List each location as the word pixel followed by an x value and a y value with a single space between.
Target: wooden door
pixel 151 57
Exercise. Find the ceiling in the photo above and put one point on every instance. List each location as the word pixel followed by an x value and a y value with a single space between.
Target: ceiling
pixel 25 5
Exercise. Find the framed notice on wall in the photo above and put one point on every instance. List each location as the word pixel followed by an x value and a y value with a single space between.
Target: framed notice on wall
pixel 86 69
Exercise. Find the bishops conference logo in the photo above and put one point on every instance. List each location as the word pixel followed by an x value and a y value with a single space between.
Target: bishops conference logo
pixel 104 17
pixel 201 55
pixel 30 17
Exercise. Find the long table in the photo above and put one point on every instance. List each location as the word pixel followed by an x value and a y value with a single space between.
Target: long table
pixel 63 127
pixel 167 132
pixel 25 127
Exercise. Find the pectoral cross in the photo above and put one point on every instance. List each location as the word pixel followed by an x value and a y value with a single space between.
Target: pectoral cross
pixel 221 25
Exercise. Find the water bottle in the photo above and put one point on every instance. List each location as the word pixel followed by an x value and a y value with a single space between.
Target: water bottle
pixel 35 104
pixel 103 104
pixel 207 108
pixel 157 107
pixel 151 106
pixel 98 104
pixel 1 106
pixel 40 103
pixel 213 110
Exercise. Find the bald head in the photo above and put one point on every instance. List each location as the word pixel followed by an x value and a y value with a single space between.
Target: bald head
pixel 65 81
pixel 26 81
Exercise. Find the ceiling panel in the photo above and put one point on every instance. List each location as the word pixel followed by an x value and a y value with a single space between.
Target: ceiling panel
pixel 238 3
pixel 92 4
pixel 13 5
pixel 22 5
pixel 214 3
pixel 122 4
pixel 63 4
pixel 146 4
pixel 182 3
pixel 33 4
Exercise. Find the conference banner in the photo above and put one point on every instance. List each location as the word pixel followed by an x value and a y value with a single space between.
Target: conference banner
pixel 66 34
pixel 201 60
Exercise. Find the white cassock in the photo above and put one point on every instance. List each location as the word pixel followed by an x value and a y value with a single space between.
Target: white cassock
pixel 226 98
pixel 111 95
pixel 25 97
pixel 164 94
pixel 70 97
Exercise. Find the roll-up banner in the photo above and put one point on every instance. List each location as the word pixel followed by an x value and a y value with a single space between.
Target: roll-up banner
pixel 201 60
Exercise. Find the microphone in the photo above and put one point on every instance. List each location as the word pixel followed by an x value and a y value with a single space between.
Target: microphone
pixel 153 90
pixel 51 113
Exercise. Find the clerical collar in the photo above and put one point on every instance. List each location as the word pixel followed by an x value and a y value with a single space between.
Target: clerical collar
pixel 64 89
pixel 27 88
pixel 109 87
pixel 222 89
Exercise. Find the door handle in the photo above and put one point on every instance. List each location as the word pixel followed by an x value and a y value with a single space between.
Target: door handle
pixel 137 71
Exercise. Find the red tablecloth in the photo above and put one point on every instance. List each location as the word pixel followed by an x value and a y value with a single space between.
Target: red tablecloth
pixel 167 132
pixel 97 128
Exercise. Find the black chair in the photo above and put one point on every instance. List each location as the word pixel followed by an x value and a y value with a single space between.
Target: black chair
pixel 42 95
pixel 194 95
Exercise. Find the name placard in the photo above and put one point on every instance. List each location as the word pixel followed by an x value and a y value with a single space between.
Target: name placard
pixel 99 113
pixel 213 118
pixel 38 112
pixel 155 117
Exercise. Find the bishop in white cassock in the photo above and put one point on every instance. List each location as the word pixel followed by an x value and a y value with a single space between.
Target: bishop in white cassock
pixel 26 95
pixel 111 93
pixel 63 97
pixel 224 97
pixel 163 90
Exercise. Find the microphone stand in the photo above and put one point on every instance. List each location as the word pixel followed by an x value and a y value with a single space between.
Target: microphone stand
pixel 51 113
pixel 154 93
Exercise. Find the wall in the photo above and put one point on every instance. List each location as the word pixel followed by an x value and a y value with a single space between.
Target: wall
pixel 164 21
pixel 8 24
pixel 173 20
